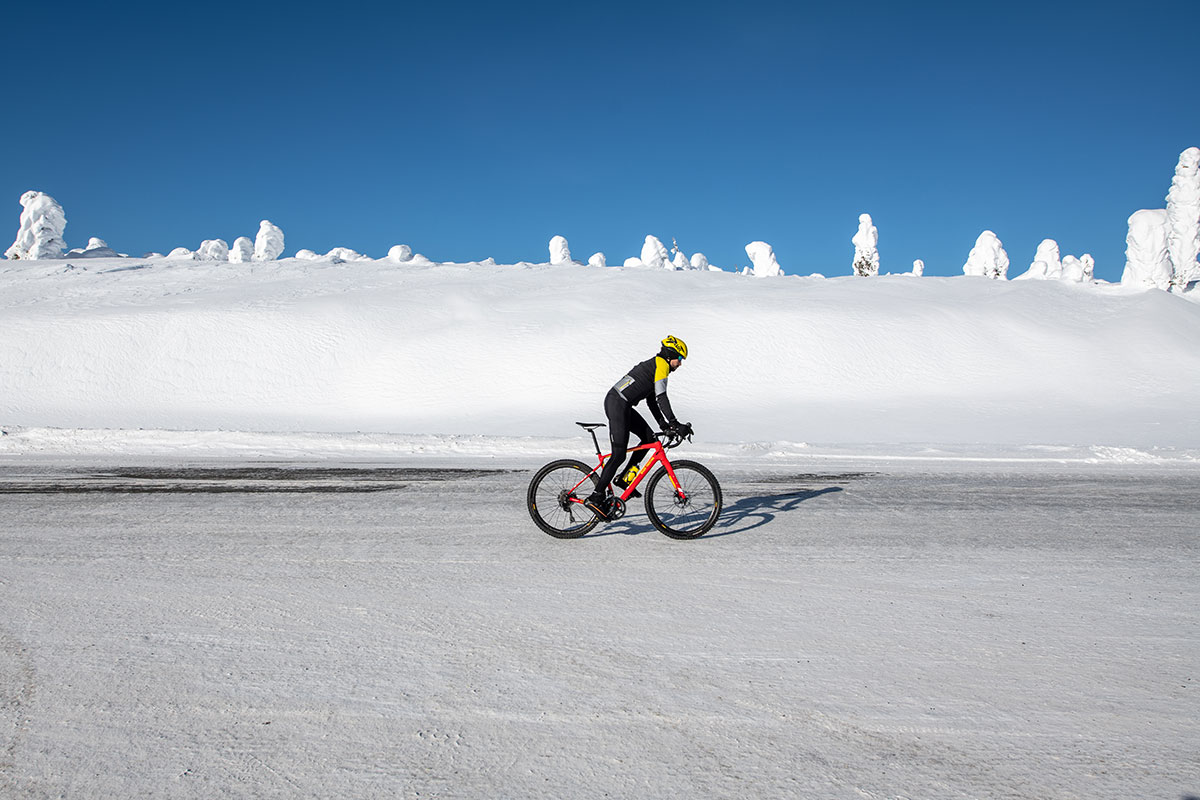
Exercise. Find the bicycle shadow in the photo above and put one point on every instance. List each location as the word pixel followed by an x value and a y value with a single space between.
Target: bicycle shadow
pixel 746 514
pixel 749 513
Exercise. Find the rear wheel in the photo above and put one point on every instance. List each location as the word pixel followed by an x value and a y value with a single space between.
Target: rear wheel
pixel 554 498
pixel 689 511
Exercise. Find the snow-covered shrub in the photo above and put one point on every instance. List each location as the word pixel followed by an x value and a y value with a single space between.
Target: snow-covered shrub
pixel 213 250
pixel 1089 267
pixel 182 252
pixel 597 260
pixel 1047 264
pixel 308 255
pixel 1183 219
pixel 654 255
pixel 560 251
pixel 987 258
pixel 268 245
pixel 866 247
pixel 40 234
pixel 699 261
pixel 762 256
pixel 1146 259
pixel 400 253
pixel 242 250
pixel 96 248
pixel 339 255
pixel 633 261
pixel 919 267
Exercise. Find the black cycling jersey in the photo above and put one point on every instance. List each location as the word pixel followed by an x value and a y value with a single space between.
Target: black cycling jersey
pixel 648 381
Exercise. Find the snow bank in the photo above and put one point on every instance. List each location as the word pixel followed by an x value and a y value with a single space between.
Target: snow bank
pixel 40 234
pixel 479 349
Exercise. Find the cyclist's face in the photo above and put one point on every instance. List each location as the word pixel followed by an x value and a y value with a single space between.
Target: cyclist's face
pixel 674 363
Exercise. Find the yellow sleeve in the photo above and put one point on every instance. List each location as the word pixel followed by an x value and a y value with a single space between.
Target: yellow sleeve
pixel 661 370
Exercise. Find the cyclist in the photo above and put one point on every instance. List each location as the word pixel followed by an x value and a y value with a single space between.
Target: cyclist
pixel 646 381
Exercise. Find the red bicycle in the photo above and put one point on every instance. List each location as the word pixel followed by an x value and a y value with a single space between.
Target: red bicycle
pixel 683 499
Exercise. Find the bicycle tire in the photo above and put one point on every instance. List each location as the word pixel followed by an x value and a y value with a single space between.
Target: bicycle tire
pixel 684 519
pixel 547 499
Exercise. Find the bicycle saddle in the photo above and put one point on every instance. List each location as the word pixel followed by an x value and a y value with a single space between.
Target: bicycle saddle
pixel 590 426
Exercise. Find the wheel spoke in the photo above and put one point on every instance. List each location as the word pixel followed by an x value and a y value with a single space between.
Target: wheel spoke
pixel 553 495
pixel 689 511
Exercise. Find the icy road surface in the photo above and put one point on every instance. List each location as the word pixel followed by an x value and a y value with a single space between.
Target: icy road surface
pixel 849 630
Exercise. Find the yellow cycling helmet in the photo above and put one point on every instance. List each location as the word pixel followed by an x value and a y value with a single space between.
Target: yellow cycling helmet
pixel 675 345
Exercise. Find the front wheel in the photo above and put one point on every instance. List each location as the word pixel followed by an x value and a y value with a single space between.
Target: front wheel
pixel 689 511
pixel 555 496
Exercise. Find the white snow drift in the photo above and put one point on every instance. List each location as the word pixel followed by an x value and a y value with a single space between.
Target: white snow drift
pixel 511 350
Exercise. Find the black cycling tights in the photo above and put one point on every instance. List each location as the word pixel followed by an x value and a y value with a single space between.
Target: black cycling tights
pixel 622 421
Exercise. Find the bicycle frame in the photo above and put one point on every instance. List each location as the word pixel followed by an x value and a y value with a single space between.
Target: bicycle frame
pixel 659 456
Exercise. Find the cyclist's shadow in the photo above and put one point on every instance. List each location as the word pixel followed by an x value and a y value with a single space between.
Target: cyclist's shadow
pixel 746 514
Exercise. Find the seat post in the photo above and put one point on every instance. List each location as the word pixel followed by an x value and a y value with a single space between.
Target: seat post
pixel 595 441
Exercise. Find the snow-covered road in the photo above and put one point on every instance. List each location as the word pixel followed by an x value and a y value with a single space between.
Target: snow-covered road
pixel 853 629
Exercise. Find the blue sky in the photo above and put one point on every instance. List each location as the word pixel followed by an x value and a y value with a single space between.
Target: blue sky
pixel 470 130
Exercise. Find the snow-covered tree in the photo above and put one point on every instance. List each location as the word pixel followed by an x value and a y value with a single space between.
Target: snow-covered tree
pixel 918 267
pixel 679 260
pixel 762 256
pixel 40 234
pixel 1089 267
pixel 560 252
pixel 987 258
pixel 597 260
pixel 1072 270
pixel 654 254
pixel 400 254
pixel 213 250
pixel 1047 264
pixel 700 261
pixel 242 250
pixel 1146 259
pixel 866 247
pixel 182 253
pixel 1183 220
pixel 268 245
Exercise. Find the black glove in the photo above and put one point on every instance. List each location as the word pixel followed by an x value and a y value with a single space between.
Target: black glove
pixel 679 429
